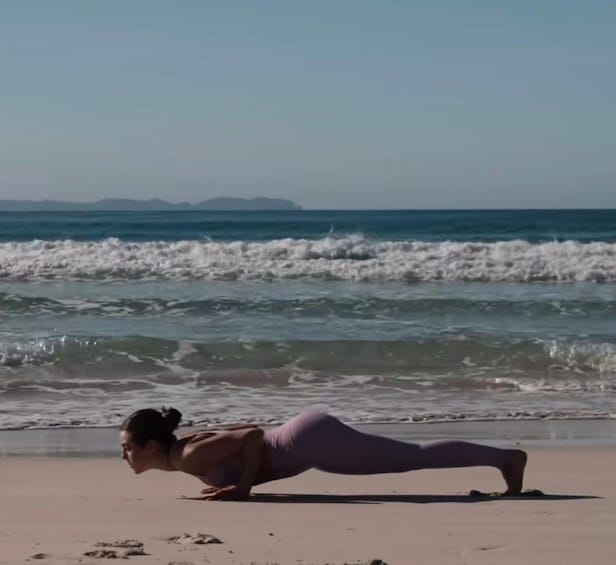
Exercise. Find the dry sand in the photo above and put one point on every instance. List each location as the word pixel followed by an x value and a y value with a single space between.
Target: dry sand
pixel 55 510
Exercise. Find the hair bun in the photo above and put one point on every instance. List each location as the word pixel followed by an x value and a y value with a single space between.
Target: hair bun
pixel 171 418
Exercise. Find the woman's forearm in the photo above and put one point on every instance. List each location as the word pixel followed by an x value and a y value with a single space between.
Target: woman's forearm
pixel 251 456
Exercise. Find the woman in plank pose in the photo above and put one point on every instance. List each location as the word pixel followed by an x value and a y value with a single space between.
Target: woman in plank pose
pixel 233 461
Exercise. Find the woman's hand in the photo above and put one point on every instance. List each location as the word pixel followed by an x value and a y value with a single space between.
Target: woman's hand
pixel 230 492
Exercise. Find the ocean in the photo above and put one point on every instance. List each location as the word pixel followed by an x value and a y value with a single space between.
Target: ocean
pixel 374 316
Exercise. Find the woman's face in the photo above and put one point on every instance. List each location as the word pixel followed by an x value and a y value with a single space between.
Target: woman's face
pixel 139 458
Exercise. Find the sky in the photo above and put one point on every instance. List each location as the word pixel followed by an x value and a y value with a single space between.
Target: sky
pixel 349 104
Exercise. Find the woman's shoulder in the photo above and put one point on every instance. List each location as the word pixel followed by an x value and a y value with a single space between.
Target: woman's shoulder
pixel 196 436
pixel 186 444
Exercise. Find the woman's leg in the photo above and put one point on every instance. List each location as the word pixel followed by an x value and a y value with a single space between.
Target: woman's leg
pixel 329 445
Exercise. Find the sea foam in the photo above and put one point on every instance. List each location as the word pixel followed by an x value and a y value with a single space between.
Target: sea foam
pixel 353 257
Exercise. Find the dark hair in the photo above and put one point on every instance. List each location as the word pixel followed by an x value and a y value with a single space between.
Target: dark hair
pixel 144 425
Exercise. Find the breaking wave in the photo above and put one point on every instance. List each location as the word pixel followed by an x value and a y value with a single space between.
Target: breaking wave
pixel 353 258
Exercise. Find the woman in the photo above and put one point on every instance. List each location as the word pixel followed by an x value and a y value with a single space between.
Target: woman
pixel 233 461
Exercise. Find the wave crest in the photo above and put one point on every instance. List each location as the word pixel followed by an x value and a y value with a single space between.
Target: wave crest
pixel 347 258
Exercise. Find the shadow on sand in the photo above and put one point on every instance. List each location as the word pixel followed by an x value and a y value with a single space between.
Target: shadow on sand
pixel 409 498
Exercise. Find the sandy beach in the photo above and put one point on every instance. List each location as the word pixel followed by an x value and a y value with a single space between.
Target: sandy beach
pixel 57 509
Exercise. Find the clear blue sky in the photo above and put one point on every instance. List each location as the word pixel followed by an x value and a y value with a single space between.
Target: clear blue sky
pixel 333 104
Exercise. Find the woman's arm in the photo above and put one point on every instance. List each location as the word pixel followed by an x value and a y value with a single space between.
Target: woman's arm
pixel 252 454
pixel 203 453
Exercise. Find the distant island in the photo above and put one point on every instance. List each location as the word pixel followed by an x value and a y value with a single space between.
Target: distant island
pixel 153 204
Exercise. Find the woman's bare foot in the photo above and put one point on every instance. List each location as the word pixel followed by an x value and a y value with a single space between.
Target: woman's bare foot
pixel 513 471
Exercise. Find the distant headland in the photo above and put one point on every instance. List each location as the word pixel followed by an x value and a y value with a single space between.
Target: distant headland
pixel 153 204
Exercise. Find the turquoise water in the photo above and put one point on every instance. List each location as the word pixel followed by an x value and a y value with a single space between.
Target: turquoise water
pixel 374 316
pixel 396 225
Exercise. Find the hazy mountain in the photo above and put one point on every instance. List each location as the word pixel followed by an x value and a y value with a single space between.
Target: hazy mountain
pixel 127 204
pixel 246 204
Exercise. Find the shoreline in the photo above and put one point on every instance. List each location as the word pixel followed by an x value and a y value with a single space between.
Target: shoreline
pixel 103 442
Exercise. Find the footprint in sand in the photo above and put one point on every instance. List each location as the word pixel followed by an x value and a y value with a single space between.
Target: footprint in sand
pixel 530 493
pixel 198 539
pixel 104 554
pixel 372 562
pixel 130 548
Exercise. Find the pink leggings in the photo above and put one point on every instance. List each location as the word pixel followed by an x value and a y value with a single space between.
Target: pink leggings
pixel 317 440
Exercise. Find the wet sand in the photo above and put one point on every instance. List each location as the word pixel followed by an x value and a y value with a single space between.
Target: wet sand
pixel 100 442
